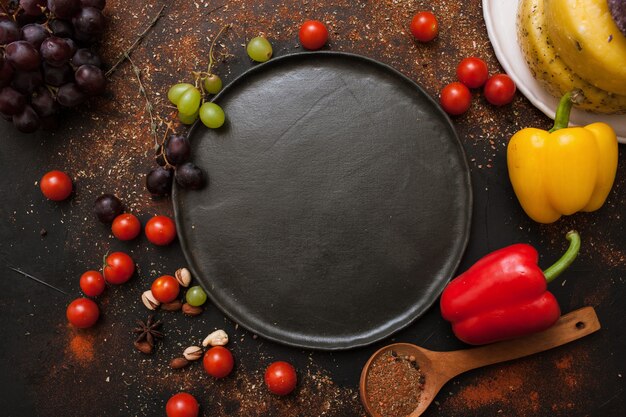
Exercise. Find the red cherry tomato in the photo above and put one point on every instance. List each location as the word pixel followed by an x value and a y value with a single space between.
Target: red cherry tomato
pixel 455 98
pixel 472 72
pixel 218 362
pixel 56 185
pixel 119 267
pixel 182 405
pixel 126 227
pixel 313 34
pixel 92 283
pixel 161 230
pixel 165 289
pixel 499 90
pixel 82 313
pixel 424 26
pixel 280 378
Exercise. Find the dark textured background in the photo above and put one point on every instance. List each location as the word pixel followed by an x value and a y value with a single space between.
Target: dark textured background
pixel 106 146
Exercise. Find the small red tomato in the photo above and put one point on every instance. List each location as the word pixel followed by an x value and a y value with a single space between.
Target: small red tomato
pixel 118 268
pixel 161 230
pixel 182 405
pixel 313 34
pixel 424 26
pixel 472 72
pixel 499 90
pixel 82 313
pixel 165 289
pixel 56 185
pixel 92 283
pixel 126 227
pixel 455 98
pixel 218 362
pixel 280 378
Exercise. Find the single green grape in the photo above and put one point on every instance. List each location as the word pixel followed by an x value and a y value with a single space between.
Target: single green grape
pixel 259 49
pixel 187 119
pixel 212 84
pixel 212 115
pixel 189 101
pixel 195 296
pixel 176 91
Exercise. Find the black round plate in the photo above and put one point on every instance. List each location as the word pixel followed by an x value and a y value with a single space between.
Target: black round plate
pixel 338 206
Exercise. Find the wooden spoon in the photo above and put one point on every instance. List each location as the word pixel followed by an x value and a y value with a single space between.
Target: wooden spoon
pixel 439 367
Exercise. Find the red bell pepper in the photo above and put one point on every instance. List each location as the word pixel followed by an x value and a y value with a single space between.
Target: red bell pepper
pixel 504 295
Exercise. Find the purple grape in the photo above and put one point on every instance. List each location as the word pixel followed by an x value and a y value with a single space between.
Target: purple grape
pixel 33 7
pixel 43 103
pixel 22 55
pixel 72 45
pixel 159 181
pixel 107 207
pixel 34 34
pixel 57 76
pixel 61 28
pixel 9 31
pixel 86 56
pixel 6 72
pixel 89 21
pixel 69 95
pixel 55 51
pixel 64 9
pixel 11 101
pixel 27 82
pixel 98 4
pixel 177 149
pixel 27 121
pixel 190 176
pixel 90 79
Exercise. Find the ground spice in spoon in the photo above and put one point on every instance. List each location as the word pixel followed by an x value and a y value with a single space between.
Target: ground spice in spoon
pixel 394 384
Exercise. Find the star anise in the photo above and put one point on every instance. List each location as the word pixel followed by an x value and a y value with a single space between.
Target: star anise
pixel 148 334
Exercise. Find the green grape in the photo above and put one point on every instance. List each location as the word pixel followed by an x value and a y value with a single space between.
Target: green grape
pixel 187 119
pixel 212 115
pixel 176 91
pixel 259 49
pixel 189 101
pixel 195 296
pixel 212 84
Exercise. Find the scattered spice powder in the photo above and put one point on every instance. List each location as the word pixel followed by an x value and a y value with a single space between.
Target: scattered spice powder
pixel 394 384
pixel 82 347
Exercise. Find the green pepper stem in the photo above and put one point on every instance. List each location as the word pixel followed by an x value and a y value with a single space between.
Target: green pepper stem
pixel 566 260
pixel 561 118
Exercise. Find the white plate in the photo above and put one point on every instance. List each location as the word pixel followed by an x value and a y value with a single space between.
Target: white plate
pixel 500 17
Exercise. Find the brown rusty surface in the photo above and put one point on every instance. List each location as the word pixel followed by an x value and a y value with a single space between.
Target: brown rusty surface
pixel 107 147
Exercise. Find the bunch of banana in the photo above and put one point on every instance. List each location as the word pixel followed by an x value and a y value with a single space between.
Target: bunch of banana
pixel 575 44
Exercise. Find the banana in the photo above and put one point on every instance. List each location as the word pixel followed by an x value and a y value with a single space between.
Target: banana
pixel 588 41
pixel 550 70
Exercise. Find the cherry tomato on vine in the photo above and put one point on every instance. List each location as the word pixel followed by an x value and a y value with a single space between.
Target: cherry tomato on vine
pixel 218 362
pixel 56 185
pixel 182 405
pixel 126 227
pixel 118 268
pixel 160 230
pixel 280 378
pixel 455 98
pixel 499 90
pixel 313 34
pixel 424 26
pixel 92 283
pixel 82 313
pixel 472 72
pixel 165 289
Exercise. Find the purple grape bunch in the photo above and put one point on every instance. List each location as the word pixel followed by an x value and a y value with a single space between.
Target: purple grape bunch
pixel 46 60
pixel 173 164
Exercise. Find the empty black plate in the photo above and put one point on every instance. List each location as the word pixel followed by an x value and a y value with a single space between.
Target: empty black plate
pixel 338 206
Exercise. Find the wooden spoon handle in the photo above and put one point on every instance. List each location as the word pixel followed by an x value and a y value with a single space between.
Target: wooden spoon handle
pixel 571 326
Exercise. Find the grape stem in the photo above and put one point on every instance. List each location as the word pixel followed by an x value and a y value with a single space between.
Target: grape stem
pixel 149 106
pixel 126 54
pixel 211 57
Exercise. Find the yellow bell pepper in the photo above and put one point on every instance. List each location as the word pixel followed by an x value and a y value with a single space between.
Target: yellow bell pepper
pixel 564 170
